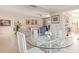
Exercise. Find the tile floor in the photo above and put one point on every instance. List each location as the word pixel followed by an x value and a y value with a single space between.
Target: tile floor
pixel 8 44
pixel 74 48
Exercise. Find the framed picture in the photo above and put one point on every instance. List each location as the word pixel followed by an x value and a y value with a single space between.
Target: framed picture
pixel 5 22
pixel 55 19
pixel 35 22
pixel 27 22
pixel 32 22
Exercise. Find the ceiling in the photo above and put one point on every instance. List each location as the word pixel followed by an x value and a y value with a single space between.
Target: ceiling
pixel 58 8
pixel 37 10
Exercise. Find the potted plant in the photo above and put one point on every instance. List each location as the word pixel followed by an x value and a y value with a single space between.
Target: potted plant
pixel 17 27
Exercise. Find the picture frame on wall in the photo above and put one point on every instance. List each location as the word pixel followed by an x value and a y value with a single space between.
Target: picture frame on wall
pixel 5 22
pixel 55 19
pixel 35 22
pixel 27 22
pixel 32 22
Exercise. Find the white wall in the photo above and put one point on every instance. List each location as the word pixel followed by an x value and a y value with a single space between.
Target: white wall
pixel 13 16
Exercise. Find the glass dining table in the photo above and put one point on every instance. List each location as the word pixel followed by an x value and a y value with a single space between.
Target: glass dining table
pixel 49 40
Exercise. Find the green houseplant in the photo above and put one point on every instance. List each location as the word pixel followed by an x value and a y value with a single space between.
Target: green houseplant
pixel 17 27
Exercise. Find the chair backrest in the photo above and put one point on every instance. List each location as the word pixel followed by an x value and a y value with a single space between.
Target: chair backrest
pixel 34 34
pixel 21 42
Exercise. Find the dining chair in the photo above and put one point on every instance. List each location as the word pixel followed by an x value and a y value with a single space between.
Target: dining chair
pixel 23 46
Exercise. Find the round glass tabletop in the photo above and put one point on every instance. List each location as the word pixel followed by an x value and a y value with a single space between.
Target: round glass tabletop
pixel 48 40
